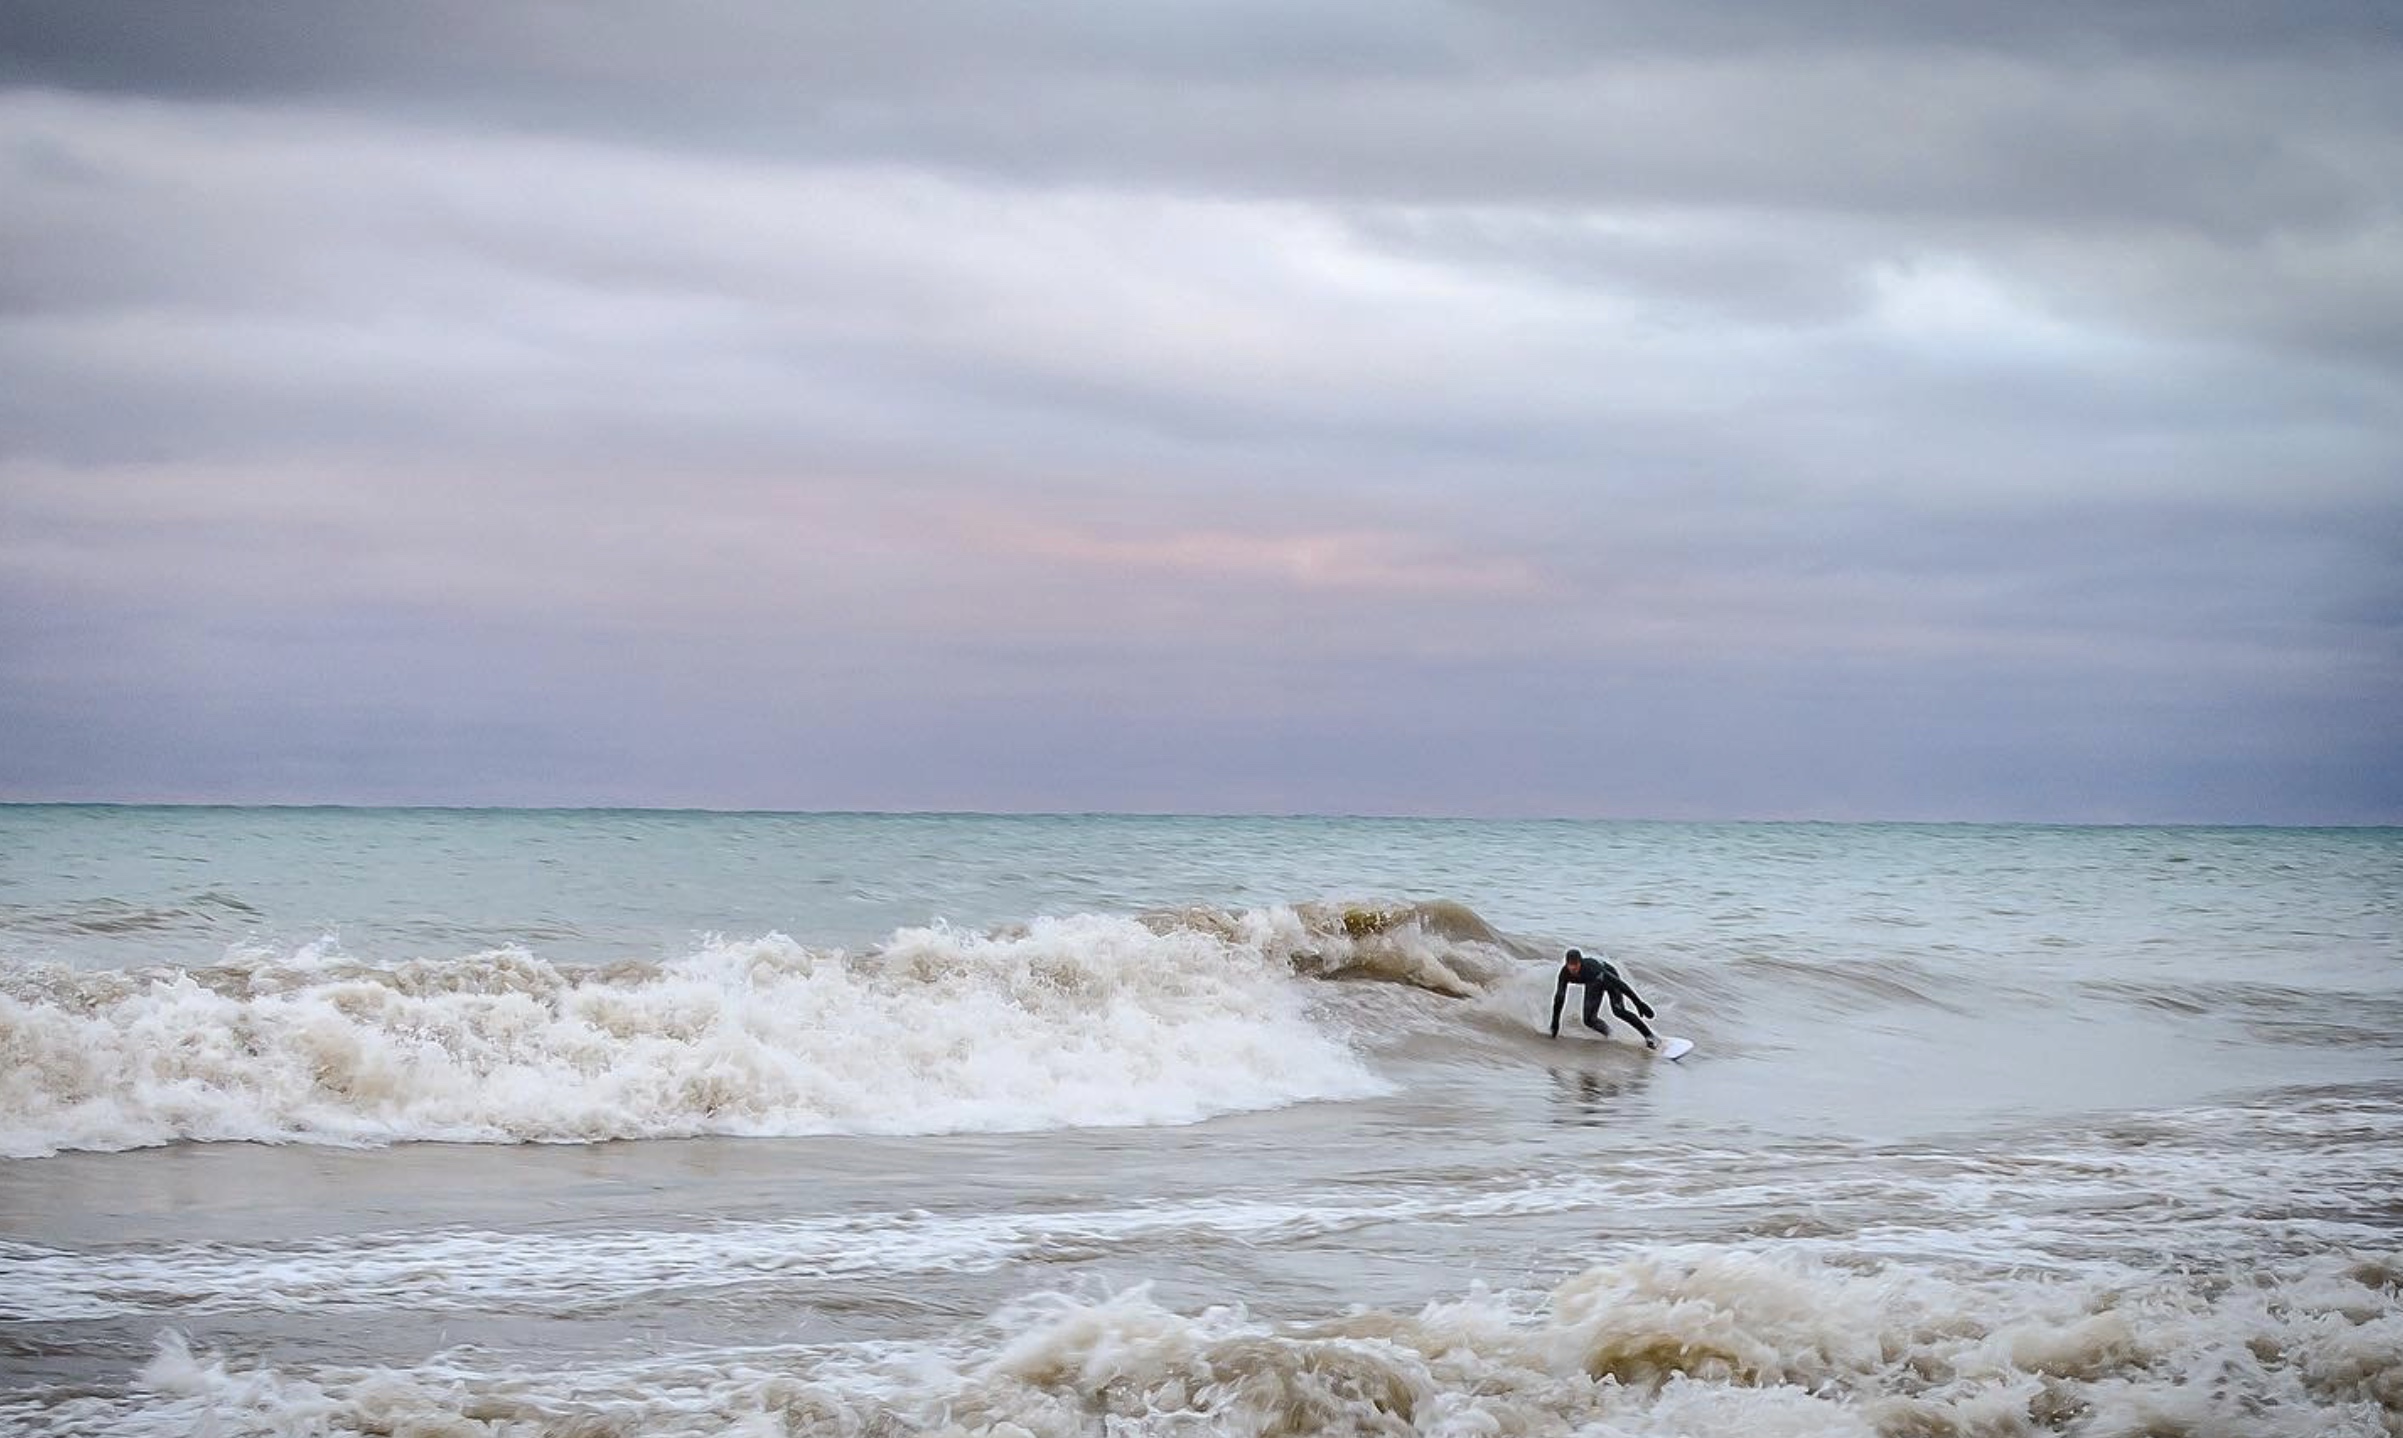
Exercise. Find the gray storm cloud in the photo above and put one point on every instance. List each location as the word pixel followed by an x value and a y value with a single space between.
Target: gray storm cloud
pixel 1429 408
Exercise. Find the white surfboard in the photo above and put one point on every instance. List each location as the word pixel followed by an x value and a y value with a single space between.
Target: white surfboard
pixel 1673 1048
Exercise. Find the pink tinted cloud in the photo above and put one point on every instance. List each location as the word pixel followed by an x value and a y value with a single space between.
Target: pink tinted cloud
pixel 1363 560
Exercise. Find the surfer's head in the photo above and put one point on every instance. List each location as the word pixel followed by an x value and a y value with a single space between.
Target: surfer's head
pixel 1575 959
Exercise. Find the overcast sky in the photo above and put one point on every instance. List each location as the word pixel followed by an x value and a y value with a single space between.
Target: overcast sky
pixel 1835 409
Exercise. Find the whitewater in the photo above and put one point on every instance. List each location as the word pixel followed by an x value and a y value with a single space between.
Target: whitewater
pixel 590 1122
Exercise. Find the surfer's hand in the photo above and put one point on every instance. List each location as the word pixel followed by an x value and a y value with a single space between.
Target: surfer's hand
pixel 1556 1031
pixel 1643 1008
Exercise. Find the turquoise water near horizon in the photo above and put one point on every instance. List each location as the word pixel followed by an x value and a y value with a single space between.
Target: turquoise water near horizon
pixel 635 876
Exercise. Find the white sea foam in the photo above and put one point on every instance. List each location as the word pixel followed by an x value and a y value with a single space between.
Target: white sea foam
pixel 1069 1022
pixel 2252 1184
pixel 1697 1341
pixel 481 1272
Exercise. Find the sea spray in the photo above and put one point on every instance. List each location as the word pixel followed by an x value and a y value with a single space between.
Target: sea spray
pixel 1078 1021
pixel 1701 1341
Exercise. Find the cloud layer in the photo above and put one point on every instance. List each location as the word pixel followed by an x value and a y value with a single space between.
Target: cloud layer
pixel 1425 408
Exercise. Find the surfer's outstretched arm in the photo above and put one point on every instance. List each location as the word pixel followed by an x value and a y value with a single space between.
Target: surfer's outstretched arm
pixel 1560 995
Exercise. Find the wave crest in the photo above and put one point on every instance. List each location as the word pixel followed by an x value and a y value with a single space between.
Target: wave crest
pixel 1439 946
pixel 1064 1022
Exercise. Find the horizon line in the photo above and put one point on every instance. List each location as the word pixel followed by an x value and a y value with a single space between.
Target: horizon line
pixel 336 806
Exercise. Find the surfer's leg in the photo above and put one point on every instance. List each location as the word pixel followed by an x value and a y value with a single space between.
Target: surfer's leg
pixel 1593 1010
pixel 1619 1006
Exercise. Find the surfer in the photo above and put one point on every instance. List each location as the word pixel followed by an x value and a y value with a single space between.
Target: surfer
pixel 1599 979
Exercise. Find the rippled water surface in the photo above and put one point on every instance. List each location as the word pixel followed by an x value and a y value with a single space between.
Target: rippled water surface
pixel 596 1122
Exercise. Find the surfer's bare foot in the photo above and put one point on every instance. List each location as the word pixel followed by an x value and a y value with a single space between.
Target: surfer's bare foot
pixel 1652 1043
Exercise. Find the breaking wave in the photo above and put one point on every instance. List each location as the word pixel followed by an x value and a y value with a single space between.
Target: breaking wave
pixel 1064 1022
pixel 1703 1340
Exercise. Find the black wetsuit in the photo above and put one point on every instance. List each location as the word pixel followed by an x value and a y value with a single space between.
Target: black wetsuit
pixel 1599 979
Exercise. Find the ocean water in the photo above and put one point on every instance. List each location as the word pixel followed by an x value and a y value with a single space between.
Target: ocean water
pixel 601 1123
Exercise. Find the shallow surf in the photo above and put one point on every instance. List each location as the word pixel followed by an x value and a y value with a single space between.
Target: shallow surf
pixel 1191 1126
